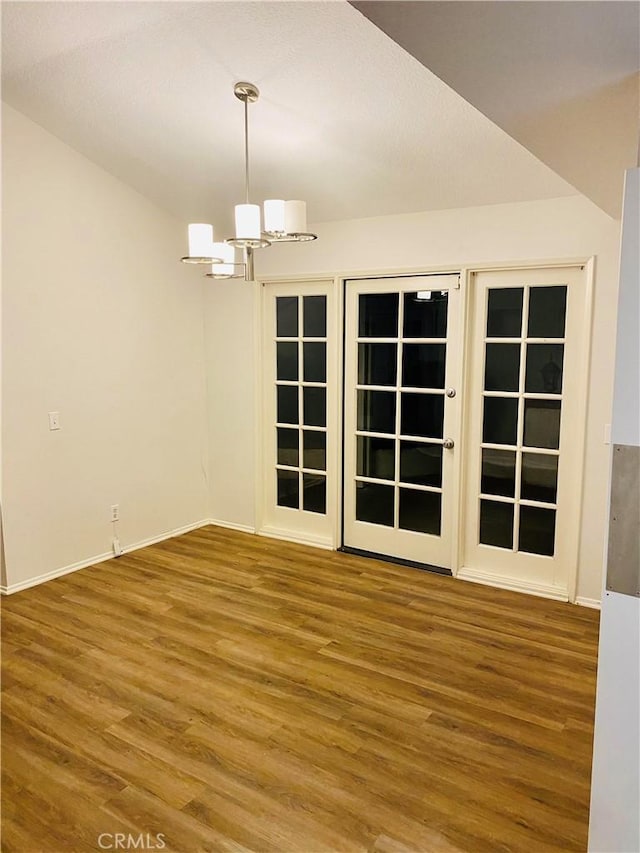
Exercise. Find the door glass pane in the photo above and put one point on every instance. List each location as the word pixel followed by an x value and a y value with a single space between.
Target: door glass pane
pixel 377 411
pixel 378 315
pixel 498 472
pixel 544 368
pixel 426 317
pixel 315 362
pixel 287 404
pixel 542 423
pixel 287 316
pixel 422 414
pixel 504 312
pixel 315 406
pixel 537 530
pixel 547 310
pixel 288 447
pixel 420 463
pixel 420 511
pixel 502 367
pixel 376 457
pixel 500 423
pixel 496 524
pixel 314 316
pixel 288 489
pixel 314 449
pixel 314 493
pixel 423 365
pixel 374 503
pixel 287 360
pixel 539 477
pixel 377 364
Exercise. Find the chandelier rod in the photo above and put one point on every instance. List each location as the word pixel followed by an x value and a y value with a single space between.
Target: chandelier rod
pixel 246 149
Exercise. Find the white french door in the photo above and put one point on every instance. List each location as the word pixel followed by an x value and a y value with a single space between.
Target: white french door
pixel 300 411
pixel 401 416
pixel 462 420
pixel 523 454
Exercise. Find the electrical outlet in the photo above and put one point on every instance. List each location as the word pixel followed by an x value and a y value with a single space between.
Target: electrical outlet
pixel 115 512
pixel 54 420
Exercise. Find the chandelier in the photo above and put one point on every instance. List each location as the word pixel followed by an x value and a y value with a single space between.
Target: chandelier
pixel 284 221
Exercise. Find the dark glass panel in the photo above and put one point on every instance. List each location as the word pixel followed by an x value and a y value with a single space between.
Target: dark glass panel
pixel 502 367
pixel 287 360
pixel 288 489
pixel 537 530
pixel 374 503
pixel 498 472
pixel 314 493
pixel 287 404
pixel 375 457
pixel 496 524
pixel 314 316
pixel 288 453
pixel 286 316
pixel 539 477
pixel 377 364
pixel 542 423
pixel 377 411
pixel 426 318
pixel 422 414
pixel 547 311
pixel 504 312
pixel 420 463
pixel 420 511
pixel 500 423
pixel 315 406
pixel 544 368
pixel 423 365
pixel 378 315
pixel 314 450
pixel 315 362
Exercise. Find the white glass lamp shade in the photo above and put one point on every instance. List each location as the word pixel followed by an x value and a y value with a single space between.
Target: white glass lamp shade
pixel 228 255
pixel 247 221
pixel 201 240
pixel 274 216
pixel 295 217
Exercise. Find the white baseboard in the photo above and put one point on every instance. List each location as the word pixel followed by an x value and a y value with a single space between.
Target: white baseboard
pixel 231 525
pixel 324 542
pixel 588 602
pixel 9 589
pixel 513 584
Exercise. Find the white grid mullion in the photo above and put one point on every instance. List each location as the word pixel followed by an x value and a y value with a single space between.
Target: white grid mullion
pixel 520 425
pixel 396 443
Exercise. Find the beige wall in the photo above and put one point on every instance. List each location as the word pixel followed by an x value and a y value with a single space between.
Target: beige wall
pixel 100 323
pixel 230 347
pixel 552 229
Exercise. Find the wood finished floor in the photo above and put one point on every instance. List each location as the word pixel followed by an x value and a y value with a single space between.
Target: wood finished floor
pixel 235 693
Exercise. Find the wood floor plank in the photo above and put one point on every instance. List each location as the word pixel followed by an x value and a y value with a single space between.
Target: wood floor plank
pixel 240 694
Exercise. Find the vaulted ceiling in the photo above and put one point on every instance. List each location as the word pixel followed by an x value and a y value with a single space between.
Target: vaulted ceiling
pixel 561 77
pixel 347 118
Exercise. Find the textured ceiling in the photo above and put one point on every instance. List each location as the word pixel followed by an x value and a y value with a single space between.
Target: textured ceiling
pixel 560 77
pixel 346 119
